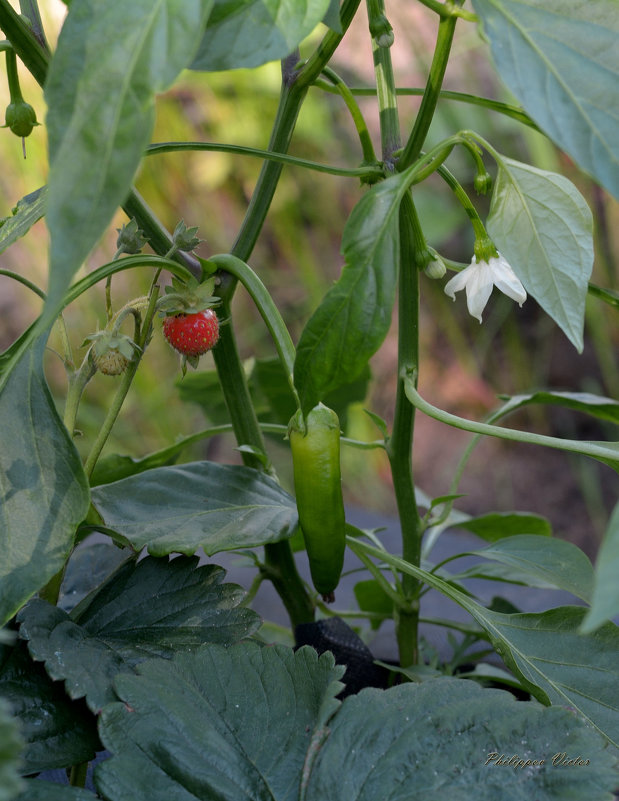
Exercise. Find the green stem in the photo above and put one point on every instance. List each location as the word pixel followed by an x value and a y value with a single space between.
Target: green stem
pixel 312 68
pixel 141 339
pixel 24 42
pixel 464 200
pixel 385 89
pixel 24 281
pixel 369 156
pixel 13 77
pixel 412 149
pixel 77 382
pixel 449 9
pixel 77 776
pixel 515 112
pixel 267 308
pixel 158 238
pixel 267 155
pixel 399 448
pixel 607 453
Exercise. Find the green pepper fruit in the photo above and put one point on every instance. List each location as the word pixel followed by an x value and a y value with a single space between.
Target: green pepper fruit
pixel 315 444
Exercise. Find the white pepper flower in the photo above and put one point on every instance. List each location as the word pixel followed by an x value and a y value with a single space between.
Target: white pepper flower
pixel 480 277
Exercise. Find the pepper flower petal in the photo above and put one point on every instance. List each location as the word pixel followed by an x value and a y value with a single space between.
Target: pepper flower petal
pixel 479 278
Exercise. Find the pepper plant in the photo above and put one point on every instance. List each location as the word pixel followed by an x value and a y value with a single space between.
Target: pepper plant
pixel 132 647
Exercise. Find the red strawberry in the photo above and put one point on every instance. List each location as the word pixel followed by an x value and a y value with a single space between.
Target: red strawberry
pixel 192 334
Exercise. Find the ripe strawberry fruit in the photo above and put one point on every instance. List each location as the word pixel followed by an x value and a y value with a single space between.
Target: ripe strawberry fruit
pixel 192 334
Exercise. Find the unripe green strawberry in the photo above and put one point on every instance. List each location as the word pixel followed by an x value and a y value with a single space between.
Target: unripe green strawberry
pixel 111 352
pixel 112 362
pixel 192 335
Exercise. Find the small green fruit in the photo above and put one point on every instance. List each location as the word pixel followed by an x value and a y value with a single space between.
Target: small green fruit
pixel 20 118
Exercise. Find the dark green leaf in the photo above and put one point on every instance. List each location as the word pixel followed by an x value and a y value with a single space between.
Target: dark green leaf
pixel 29 210
pixel 353 319
pixel 38 790
pixel 88 567
pixel 44 489
pixel 58 732
pixel 154 608
pixel 560 60
pixel 371 597
pixel 542 225
pixel 605 602
pixel 251 723
pixel 556 563
pixel 197 505
pixel 434 740
pixel 497 525
pixel 595 405
pixel 111 60
pixel 248 33
pixel 11 745
pixel 231 724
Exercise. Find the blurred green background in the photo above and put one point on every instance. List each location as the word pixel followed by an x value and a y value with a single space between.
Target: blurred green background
pixel 464 365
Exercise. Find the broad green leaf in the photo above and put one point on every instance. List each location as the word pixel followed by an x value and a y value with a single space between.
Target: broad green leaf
pixel 561 61
pixel 497 525
pixel 39 790
pixel 353 319
pixel 197 505
pixel 556 563
pixel 111 60
pixel 43 489
pixel 441 739
pixel 29 210
pixel 542 225
pixel 154 608
pixel 605 603
pixel 228 723
pixel 58 732
pixel 11 745
pixel 253 723
pixel 248 33
pixel 595 405
pixel 555 662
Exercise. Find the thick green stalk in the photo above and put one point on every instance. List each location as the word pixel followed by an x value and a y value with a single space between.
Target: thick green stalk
pixel 412 149
pixel 399 449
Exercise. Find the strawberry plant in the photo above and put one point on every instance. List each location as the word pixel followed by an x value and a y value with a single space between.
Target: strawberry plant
pixel 121 636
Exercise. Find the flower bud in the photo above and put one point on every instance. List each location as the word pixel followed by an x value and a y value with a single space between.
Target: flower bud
pixel 20 118
pixel 483 183
pixel 435 267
